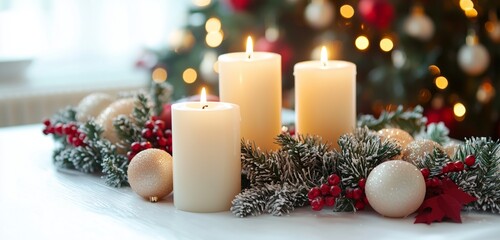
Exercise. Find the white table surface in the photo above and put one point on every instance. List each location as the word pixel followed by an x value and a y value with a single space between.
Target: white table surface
pixel 37 201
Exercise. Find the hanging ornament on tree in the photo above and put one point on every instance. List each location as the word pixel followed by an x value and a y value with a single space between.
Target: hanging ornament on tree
pixel 419 25
pixel 395 188
pixel 493 27
pixel 92 105
pixel 150 174
pixel 378 13
pixel 240 5
pixel 473 58
pixel 319 13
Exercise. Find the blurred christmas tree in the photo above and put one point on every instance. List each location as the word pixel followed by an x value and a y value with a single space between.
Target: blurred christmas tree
pixel 444 55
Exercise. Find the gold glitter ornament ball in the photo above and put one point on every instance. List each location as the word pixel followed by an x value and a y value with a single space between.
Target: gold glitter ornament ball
pixel 150 174
pixel 451 149
pixel 92 105
pixel 115 109
pixel 415 151
pixel 400 136
pixel 395 188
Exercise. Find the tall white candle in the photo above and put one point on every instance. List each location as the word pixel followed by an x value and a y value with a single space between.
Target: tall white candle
pixel 325 98
pixel 206 161
pixel 252 80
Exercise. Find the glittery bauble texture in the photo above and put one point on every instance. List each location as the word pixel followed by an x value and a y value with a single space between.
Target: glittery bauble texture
pixel 415 151
pixel 473 59
pixel 395 188
pixel 92 105
pixel 400 136
pixel 150 174
pixel 105 119
pixel 451 149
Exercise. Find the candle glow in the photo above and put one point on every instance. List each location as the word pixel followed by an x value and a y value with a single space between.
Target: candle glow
pixel 324 56
pixel 203 98
pixel 249 47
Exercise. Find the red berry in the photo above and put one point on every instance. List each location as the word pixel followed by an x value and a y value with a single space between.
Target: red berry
pixel 365 200
pixel 333 179
pixel 359 205
pixel 77 142
pixel 168 133
pixel 470 160
pixel 313 193
pixel 160 124
pixel 362 183
pixel 157 132
pixel 428 182
pixel 162 141
pixel 130 155
pixel 459 166
pixel 446 169
pixel 154 118
pixel 335 191
pixel 67 129
pixel 149 124
pixel 425 172
pixel 435 182
pixel 329 201
pixel 147 133
pixel 325 189
pixel 45 131
pixel 69 139
pixel 348 193
pixel 317 204
pixel 145 145
pixel 357 193
pixel 58 129
pixel 46 122
pixel 135 147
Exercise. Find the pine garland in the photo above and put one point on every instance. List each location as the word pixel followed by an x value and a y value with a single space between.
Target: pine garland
pixel 279 180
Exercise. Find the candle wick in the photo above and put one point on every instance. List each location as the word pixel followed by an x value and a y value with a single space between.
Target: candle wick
pixel 204 106
pixel 324 64
pixel 249 56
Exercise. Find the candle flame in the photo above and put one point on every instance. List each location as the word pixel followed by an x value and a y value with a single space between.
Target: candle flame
pixel 324 56
pixel 249 47
pixel 203 96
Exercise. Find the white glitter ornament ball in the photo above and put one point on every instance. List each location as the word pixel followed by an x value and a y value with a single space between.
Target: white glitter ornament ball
pixel 415 151
pixel 400 136
pixel 319 13
pixel 395 188
pixel 105 119
pixel 92 105
pixel 150 174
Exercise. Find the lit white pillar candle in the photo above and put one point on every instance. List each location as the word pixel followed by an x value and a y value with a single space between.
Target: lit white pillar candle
pixel 252 80
pixel 206 161
pixel 325 98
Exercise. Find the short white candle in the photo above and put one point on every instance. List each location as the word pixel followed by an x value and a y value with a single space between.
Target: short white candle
pixel 325 98
pixel 206 159
pixel 252 80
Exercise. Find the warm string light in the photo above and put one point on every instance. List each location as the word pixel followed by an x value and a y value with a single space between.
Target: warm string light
pixel 215 35
pixel 362 42
pixel 386 44
pixel 441 82
pixel 201 3
pixel 189 75
pixel 347 11
pixel 459 110
pixel 159 75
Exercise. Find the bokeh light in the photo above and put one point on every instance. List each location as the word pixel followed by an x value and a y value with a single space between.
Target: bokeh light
pixel 189 75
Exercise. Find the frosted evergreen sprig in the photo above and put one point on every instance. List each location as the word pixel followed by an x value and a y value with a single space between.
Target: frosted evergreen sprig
pixel 483 180
pixel 411 121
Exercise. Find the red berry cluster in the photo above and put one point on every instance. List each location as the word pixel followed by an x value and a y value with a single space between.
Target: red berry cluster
pixel 70 130
pixel 456 166
pixel 156 135
pixel 358 195
pixel 326 194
